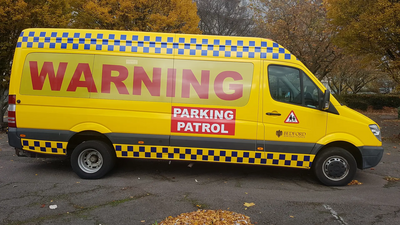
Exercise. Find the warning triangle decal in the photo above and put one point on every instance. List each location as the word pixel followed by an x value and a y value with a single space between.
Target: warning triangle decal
pixel 292 118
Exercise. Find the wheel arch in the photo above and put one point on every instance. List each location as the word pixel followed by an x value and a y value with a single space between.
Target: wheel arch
pixel 88 135
pixel 346 146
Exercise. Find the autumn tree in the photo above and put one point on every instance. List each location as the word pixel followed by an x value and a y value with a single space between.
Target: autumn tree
pixel 300 26
pixel 225 17
pixel 179 16
pixel 370 28
pixel 351 74
pixel 174 16
pixel 383 84
pixel 16 15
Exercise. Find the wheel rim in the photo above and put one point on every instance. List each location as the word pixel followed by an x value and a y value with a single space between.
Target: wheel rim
pixel 90 160
pixel 335 168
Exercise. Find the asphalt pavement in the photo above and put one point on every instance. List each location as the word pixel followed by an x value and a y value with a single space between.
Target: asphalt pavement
pixel 47 191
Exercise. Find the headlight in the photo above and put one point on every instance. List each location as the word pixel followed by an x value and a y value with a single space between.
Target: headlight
pixel 376 131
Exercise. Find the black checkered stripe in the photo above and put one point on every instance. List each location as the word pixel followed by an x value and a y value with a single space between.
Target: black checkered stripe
pixel 153 43
pixel 45 147
pixel 215 155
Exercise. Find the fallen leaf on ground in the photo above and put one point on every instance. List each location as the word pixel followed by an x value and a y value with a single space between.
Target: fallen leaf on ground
pixel 249 204
pixel 354 182
pixel 389 178
pixel 208 217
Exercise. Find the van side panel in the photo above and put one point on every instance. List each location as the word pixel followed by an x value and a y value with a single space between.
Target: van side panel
pixel 153 95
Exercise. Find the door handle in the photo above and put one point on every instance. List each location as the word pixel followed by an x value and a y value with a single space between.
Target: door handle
pixel 273 114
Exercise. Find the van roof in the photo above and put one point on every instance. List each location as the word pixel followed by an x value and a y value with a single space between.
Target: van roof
pixel 153 43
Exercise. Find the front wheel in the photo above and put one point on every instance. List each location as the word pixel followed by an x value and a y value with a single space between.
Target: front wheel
pixel 335 167
pixel 92 159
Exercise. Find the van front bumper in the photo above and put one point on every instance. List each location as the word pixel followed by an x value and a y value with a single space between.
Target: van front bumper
pixel 371 156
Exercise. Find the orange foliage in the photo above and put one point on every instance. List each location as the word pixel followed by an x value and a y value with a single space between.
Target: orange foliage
pixel 369 28
pixel 173 16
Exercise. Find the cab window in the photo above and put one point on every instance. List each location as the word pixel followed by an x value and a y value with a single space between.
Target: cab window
pixel 291 85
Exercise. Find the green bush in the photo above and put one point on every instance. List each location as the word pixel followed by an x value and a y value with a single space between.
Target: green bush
pixel 362 102
pixel 357 104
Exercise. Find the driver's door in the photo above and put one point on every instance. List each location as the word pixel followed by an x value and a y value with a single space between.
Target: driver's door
pixel 292 119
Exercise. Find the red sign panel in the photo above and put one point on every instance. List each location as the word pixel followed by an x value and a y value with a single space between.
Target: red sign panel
pixel 203 120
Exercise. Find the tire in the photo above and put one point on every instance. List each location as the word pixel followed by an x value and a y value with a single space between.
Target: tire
pixel 335 167
pixel 92 159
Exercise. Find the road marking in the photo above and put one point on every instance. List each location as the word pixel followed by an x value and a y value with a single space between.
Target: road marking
pixel 334 214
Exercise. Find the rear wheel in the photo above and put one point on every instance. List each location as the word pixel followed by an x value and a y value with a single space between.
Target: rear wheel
pixel 335 167
pixel 92 159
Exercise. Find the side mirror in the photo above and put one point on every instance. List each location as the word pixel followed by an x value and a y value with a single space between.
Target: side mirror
pixel 326 100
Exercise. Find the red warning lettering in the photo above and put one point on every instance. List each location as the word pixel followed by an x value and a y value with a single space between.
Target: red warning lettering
pixel 118 76
pixel 203 120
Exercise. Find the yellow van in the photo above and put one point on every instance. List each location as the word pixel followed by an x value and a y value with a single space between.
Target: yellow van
pixel 98 95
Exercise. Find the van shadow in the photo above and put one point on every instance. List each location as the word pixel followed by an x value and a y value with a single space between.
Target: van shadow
pixel 172 170
pixel 44 166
